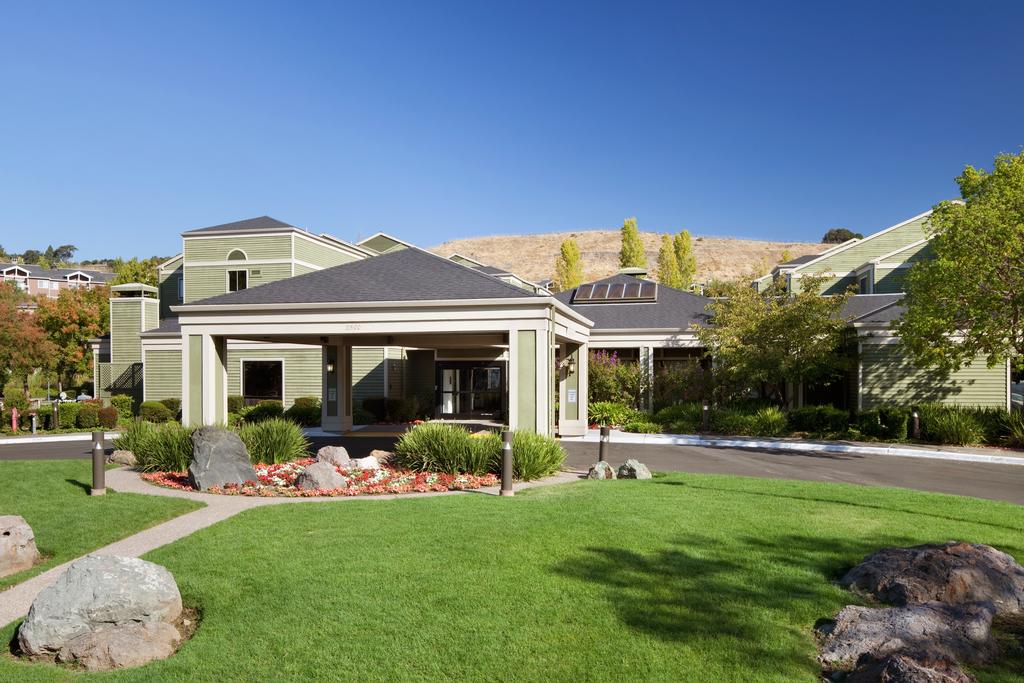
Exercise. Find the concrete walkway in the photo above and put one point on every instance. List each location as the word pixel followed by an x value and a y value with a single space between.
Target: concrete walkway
pixel 15 601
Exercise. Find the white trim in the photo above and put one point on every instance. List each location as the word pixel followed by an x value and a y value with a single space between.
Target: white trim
pixel 251 262
pixel 241 251
pixel 164 265
pixel 241 375
pixel 465 258
pixel 283 232
pixel 390 237
pixel 851 243
pixel 1009 389
pixel 904 248
pixel 292 242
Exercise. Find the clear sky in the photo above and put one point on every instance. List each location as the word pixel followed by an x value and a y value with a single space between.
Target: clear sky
pixel 123 124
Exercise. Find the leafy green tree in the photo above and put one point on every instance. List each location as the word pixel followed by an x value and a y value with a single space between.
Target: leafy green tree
pixel 686 259
pixel 764 340
pixel 968 301
pixel 135 270
pixel 840 235
pixel 632 254
pixel 668 266
pixel 65 253
pixel 31 257
pixel 568 266
pixel 24 347
pixel 70 321
pixel 3 254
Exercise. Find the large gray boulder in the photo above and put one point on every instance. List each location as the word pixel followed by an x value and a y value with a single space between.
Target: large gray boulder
pixel 18 550
pixel 367 463
pixel 634 469
pixel 906 669
pixel 601 470
pixel 961 633
pixel 105 612
pixel 320 476
pixel 218 458
pixel 334 455
pixel 953 572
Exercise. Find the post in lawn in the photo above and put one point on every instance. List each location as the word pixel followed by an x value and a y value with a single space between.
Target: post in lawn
pixel 99 484
pixel 506 463
pixel 602 449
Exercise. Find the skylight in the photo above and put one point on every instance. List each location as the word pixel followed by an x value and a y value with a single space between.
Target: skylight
pixel 616 293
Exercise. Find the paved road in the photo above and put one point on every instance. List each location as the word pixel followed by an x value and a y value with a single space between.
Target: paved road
pixel 997 482
pixel 982 480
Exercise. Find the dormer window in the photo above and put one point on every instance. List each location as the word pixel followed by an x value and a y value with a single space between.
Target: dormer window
pixel 237 255
pixel 864 284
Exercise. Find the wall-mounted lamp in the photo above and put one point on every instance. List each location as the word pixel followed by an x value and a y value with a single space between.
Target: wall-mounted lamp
pixel 568 364
pixel 330 367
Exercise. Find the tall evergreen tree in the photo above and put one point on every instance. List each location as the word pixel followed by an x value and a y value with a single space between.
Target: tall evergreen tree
pixel 685 258
pixel 632 254
pixel 568 266
pixel 668 266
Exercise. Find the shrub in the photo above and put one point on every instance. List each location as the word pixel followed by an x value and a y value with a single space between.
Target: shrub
pixel 726 420
pixel 274 440
pixel 950 425
pixel 992 422
pixel 680 382
pixel 173 405
pixel 685 418
pixel 15 398
pixel 642 427
pixel 533 456
pixel 362 416
pixel 133 436
pixel 108 417
pixel 889 423
pixel 236 404
pixel 819 420
pixel 155 412
pixel 1013 427
pixel 125 406
pixel 68 415
pixel 305 412
pixel 88 417
pixel 609 413
pixel 769 421
pixel 614 380
pixel 265 410
pixel 166 447
pixel 447 448
pixel 44 416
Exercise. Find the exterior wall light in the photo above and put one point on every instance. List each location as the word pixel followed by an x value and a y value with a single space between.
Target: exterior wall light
pixel 330 367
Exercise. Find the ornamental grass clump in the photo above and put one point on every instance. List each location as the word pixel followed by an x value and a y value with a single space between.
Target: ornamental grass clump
pixel 533 456
pixel 684 418
pixel 274 440
pixel 158 448
pixel 769 421
pixel 1013 426
pixel 950 425
pixel 447 448
pixel 134 435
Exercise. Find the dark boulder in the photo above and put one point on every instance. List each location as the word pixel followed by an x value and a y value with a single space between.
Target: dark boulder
pixel 218 458
pixel 900 668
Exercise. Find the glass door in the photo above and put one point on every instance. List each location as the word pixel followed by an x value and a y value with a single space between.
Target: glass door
pixel 469 390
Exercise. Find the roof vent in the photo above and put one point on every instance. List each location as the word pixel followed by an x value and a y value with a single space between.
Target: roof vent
pixel 638 273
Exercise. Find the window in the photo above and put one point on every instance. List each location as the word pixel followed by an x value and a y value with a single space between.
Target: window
pixel 262 380
pixel 864 285
pixel 237 255
pixel 181 288
pixel 237 280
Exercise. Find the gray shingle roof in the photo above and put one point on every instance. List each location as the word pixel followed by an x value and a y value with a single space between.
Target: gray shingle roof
pixel 799 260
pixel 261 223
pixel 674 309
pixel 59 273
pixel 169 325
pixel 870 308
pixel 403 275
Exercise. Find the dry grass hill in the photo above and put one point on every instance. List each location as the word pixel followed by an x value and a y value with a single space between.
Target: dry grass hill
pixel 533 256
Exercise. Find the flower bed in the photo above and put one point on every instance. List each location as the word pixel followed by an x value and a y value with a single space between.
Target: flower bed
pixel 279 480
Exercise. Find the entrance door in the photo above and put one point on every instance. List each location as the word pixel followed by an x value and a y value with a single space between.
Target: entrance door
pixel 471 390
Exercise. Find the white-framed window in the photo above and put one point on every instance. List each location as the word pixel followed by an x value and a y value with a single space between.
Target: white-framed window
pixel 181 288
pixel 864 284
pixel 44 284
pixel 238 280
pixel 237 255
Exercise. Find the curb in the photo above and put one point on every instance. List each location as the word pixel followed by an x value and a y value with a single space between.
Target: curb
pixel 56 438
pixel 804 446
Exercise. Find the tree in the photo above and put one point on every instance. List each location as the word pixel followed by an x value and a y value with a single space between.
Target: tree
pixel 632 254
pixel 668 266
pixel 686 259
pixel 840 235
pixel 568 266
pixel 3 254
pixel 765 340
pixel 135 270
pixel 70 321
pixel 65 253
pixel 968 300
pixel 31 256
pixel 24 347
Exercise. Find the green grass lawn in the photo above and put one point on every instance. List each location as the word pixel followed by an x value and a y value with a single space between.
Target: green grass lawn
pixel 53 497
pixel 687 577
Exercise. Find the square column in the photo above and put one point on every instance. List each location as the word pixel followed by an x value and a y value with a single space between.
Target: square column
pixel 204 380
pixel 530 395
pixel 572 393
pixel 336 402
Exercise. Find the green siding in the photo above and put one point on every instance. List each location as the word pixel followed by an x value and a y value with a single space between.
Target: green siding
pixel 195 380
pixel 420 375
pixel 125 326
pixel 202 282
pixel 889 377
pixel 919 252
pixel 163 375
pixel 889 280
pixel 302 370
pixel 526 379
pixel 169 291
pixel 151 311
pixel 381 244
pixel 319 254
pixel 367 373
pixel 302 270
pixel 255 247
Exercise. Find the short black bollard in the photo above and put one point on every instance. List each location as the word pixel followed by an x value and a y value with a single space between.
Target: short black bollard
pixel 705 419
pixel 606 438
pixel 506 463
pixel 915 423
pixel 34 423
pixel 99 465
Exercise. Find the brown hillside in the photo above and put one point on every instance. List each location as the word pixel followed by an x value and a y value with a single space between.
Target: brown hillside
pixel 533 256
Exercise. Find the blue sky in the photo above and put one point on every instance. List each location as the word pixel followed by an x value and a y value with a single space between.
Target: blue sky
pixel 123 124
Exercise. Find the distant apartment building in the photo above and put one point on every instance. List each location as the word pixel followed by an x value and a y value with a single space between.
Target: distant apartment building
pixel 47 282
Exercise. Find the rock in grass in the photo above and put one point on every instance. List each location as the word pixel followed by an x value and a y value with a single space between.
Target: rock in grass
pixel 934 630
pixel 601 470
pixel 634 469
pixel 335 455
pixel 367 463
pixel 105 612
pixel 953 572
pixel 126 458
pixel 907 669
pixel 218 458
pixel 320 476
pixel 18 550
